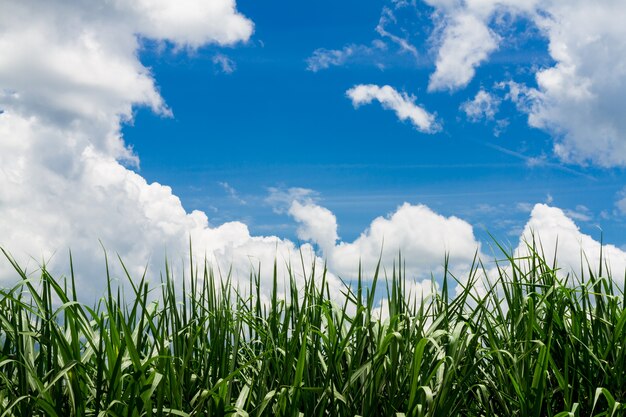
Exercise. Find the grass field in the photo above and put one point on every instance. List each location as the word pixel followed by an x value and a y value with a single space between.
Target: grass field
pixel 533 343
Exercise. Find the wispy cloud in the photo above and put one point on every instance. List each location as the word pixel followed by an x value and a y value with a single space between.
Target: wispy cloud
pixel 232 193
pixel 581 213
pixel 387 16
pixel 392 44
pixel 621 202
pixel 280 198
pixel 325 58
pixel 484 105
pixel 224 63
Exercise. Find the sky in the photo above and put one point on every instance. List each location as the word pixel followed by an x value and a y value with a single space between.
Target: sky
pixel 342 130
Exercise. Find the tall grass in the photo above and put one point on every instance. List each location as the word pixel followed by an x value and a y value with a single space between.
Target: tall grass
pixel 529 343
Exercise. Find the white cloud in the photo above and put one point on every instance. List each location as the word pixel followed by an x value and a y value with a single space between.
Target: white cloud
pixel 317 224
pixel 552 233
pixel 71 77
pixel 483 106
pixel 466 42
pixel 67 60
pixel 579 99
pixel 188 22
pixel 49 207
pixel 225 64
pixel 401 103
pixel 425 238
pixel 537 161
pixel 421 235
pixel 554 229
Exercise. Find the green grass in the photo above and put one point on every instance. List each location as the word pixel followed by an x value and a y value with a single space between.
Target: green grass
pixel 533 343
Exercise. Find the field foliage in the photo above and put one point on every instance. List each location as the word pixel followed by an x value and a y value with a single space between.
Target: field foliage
pixel 521 340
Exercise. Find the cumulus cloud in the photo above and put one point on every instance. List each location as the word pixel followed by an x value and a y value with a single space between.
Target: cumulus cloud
pixel 464 37
pixel 68 61
pixel 484 105
pixel 317 224
pixel 422 236
pixel 425 238
pixel 401 103
pixel 188 22
pixel 466 42
pixel 554 229
pixel 71 76
pixel 579 98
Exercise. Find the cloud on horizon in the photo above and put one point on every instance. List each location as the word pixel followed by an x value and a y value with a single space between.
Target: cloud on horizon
pixel 72 77
pixel 425 238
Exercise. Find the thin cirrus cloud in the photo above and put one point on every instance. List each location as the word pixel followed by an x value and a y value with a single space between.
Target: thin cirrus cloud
pixel 401 103
pixel 323 58
pixel 387 16
pixel 224 63
pixel 378 52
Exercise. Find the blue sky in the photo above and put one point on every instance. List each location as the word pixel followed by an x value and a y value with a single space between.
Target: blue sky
pixel 273 123
pixel 262 130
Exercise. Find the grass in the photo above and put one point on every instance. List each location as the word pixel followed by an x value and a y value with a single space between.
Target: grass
pixel 531 343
